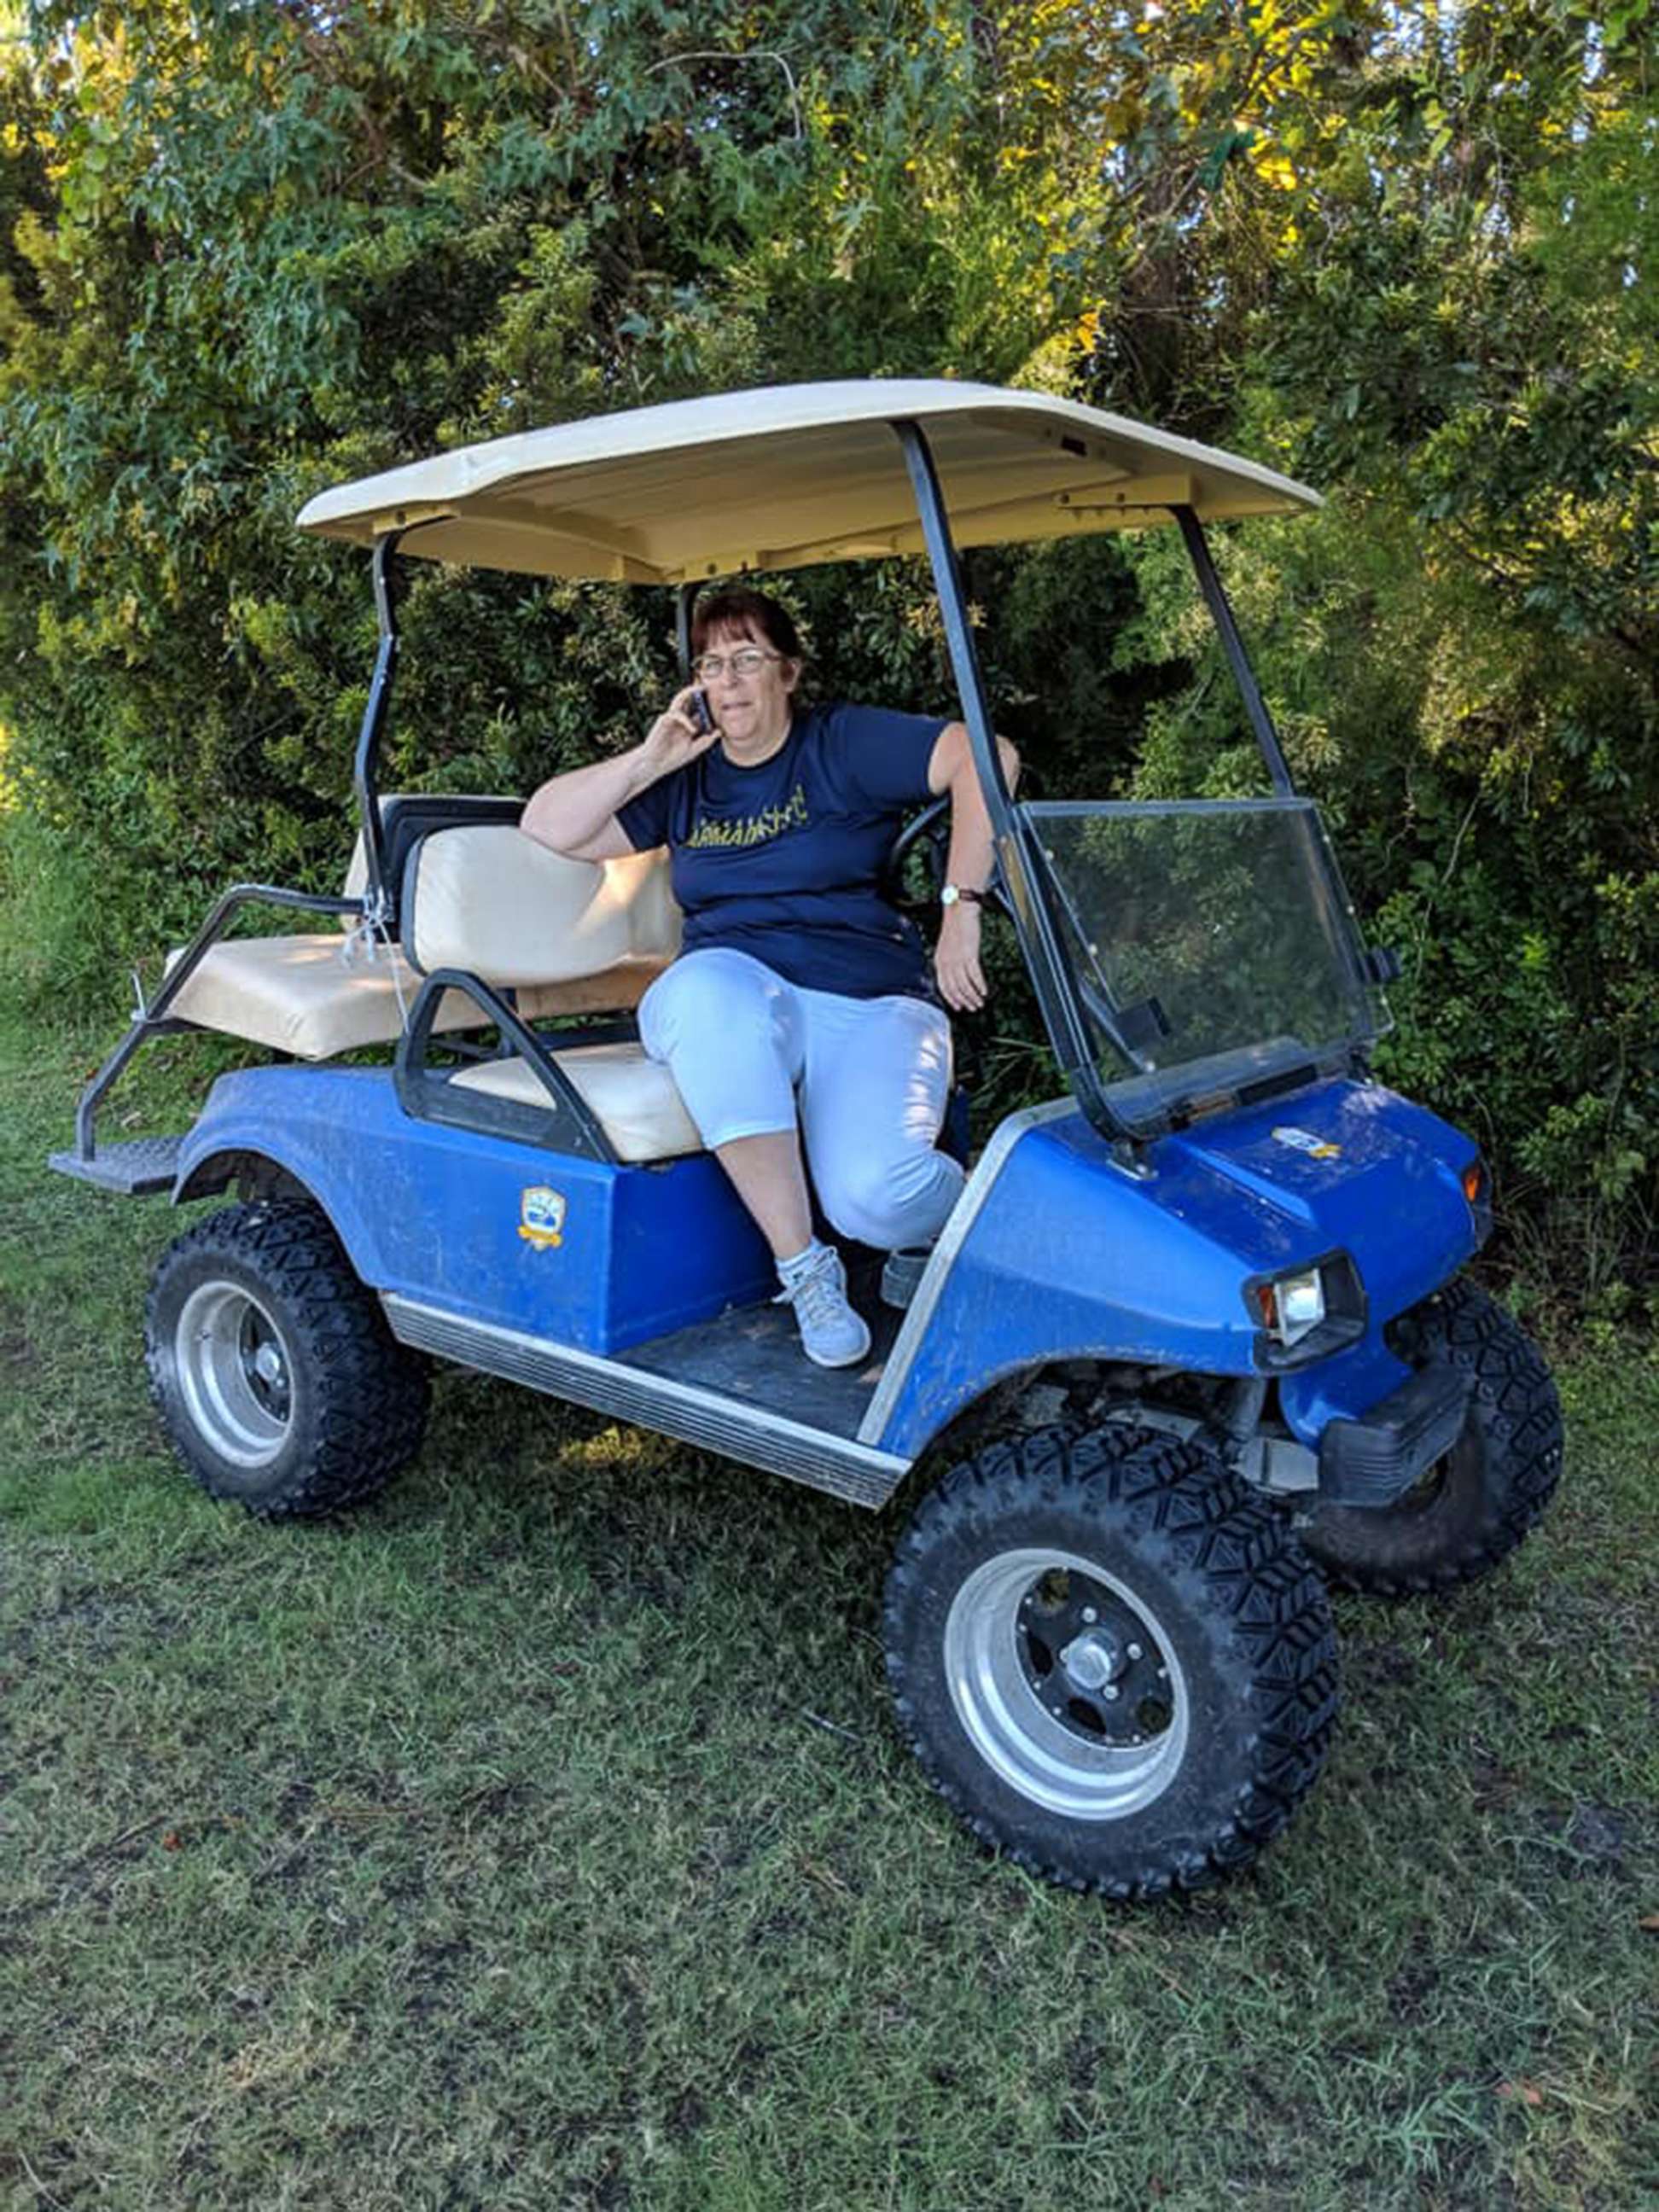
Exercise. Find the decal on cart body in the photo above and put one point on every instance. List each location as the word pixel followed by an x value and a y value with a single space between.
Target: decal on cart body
pixel 541 1216
pixel 1303 1140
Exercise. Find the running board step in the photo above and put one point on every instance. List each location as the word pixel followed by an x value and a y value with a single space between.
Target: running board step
pixel 748 1433
pixel 135 1170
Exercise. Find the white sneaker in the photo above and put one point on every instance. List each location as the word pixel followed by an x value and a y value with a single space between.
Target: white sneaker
pixel 815 1283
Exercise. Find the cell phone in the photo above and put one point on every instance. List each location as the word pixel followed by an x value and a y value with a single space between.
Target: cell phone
pixel 700 712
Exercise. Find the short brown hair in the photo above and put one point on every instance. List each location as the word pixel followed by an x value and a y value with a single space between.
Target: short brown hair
pixel 750 614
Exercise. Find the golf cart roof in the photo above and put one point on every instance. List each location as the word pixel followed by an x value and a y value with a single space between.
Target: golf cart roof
pixel 787 476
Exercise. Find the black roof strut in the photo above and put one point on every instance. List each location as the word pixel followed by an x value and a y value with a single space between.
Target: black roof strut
pixel 1020 866
pixel 1221 613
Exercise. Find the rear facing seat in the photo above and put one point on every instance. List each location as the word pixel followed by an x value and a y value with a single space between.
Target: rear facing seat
pixel 582 938
pixel 327 990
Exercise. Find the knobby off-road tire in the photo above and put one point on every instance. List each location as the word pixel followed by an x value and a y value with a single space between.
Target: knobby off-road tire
pixel 272 1366
pixel 1475 1506
pixel 1051 1570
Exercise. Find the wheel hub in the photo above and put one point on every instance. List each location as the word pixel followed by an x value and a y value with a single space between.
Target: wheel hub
pixel 1091 1659
pixel 268 1366
pixel 1066 1684
pixel 1093 1662
pixel 234 1374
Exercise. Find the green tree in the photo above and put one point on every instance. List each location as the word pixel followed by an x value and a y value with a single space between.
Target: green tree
pixel 250 249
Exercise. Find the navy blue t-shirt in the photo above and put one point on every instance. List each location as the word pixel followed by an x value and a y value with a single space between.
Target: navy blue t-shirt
pixel 780 860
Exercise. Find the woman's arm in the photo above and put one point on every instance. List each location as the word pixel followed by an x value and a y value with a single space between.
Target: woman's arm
pixel 575 813
pixel 951 767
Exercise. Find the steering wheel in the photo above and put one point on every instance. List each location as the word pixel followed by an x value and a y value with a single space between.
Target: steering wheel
pixel 929 833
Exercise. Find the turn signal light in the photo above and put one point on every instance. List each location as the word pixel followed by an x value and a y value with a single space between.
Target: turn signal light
pixel 1474 1182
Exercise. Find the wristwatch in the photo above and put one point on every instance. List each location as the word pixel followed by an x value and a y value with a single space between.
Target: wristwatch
pixel 952 892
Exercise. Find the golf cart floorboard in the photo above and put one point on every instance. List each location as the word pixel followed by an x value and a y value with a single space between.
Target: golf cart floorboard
pixel 754 1353
pixel 739 1385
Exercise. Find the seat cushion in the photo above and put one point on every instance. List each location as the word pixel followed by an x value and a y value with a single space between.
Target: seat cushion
pixel 310 995
pixel 633 1096
pixel 318 995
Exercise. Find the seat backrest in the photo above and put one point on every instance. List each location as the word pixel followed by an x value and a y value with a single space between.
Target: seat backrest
pixel 488 899
pixel 408 815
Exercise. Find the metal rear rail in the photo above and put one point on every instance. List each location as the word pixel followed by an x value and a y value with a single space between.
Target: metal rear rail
pixel 153 1020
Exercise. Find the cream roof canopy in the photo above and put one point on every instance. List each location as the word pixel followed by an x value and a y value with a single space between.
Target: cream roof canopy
pixel 788 477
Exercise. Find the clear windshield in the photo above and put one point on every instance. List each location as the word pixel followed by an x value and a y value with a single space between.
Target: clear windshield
pixel 1210 946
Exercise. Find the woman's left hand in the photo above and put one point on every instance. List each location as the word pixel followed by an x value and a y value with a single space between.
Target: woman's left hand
pixel 956 959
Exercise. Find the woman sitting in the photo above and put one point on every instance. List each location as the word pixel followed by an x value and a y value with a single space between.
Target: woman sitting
pixel 797 980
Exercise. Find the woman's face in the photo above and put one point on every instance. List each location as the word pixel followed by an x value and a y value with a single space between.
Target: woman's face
pixel 754 707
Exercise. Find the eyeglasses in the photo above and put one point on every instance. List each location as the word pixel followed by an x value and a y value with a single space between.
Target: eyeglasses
pixel 747 660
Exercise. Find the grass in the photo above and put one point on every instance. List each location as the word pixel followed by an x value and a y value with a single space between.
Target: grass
pixel 539 1839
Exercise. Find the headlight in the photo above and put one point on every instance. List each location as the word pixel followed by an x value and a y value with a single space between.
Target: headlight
pixel 1308 1313
pixel 1293 1305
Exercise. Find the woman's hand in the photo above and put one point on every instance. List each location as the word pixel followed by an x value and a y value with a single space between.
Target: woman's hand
pixel 674 737
pixel 956 959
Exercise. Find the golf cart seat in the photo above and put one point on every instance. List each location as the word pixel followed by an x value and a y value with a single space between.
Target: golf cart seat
pixel 494 903
pixel 317 995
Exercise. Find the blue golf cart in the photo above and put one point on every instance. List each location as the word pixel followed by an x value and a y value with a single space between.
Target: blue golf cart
pixel 1195 1340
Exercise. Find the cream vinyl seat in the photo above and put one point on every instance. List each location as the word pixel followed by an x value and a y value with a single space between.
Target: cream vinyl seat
pixel 492 901
pixel 567 937
pixel 312 994
pixel 633 1098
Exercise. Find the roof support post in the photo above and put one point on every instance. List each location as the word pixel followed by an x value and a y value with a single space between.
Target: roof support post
pixel 684 598
pixel 958 632
pixel 366 769
pixel 1045 959
pixel 1209 582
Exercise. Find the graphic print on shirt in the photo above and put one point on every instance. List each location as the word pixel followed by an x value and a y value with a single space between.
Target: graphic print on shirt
pixel 751 828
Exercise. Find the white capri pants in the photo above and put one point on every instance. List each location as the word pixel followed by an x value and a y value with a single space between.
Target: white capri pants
pixel 872 1077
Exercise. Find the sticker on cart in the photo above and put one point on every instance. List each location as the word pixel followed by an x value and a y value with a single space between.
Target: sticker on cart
pixel 1304 1140
pixel 541 1216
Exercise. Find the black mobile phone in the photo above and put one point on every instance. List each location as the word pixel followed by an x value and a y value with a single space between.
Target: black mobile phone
pixel 699 714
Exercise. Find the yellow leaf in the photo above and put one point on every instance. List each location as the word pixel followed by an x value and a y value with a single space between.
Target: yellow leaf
pixel 1273 169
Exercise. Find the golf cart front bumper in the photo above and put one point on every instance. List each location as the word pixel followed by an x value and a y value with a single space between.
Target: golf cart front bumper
pixel 1373 1460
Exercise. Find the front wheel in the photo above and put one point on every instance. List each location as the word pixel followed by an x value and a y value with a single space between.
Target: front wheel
pixel 1111 1659
pixel 272 1366
pixel 1473 1506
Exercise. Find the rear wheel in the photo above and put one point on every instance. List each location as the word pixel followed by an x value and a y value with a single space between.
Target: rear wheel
pixel 1111 1659
pixel 272 1365
pixel 1474 1505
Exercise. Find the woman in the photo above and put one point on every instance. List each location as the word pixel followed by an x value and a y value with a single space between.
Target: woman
pixel 796 978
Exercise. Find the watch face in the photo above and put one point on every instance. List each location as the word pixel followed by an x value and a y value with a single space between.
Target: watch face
pixel 949 895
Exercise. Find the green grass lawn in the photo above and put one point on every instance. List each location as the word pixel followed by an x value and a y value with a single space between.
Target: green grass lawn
pixel 538 1837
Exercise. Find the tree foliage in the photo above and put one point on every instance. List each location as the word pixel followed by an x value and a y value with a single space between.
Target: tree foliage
pixel 248 250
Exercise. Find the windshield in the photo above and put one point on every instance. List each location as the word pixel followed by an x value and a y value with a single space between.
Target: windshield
pixel 1210 946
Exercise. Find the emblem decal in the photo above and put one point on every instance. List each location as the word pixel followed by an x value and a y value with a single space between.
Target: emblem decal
pixel 541 1216
pixel 1300 1140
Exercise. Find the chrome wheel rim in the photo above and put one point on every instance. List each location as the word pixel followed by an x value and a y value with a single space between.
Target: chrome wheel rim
pixel 235 1374
pixel 1037 1658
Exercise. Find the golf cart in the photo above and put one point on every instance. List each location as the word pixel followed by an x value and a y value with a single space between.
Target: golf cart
pixel 1195 1325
